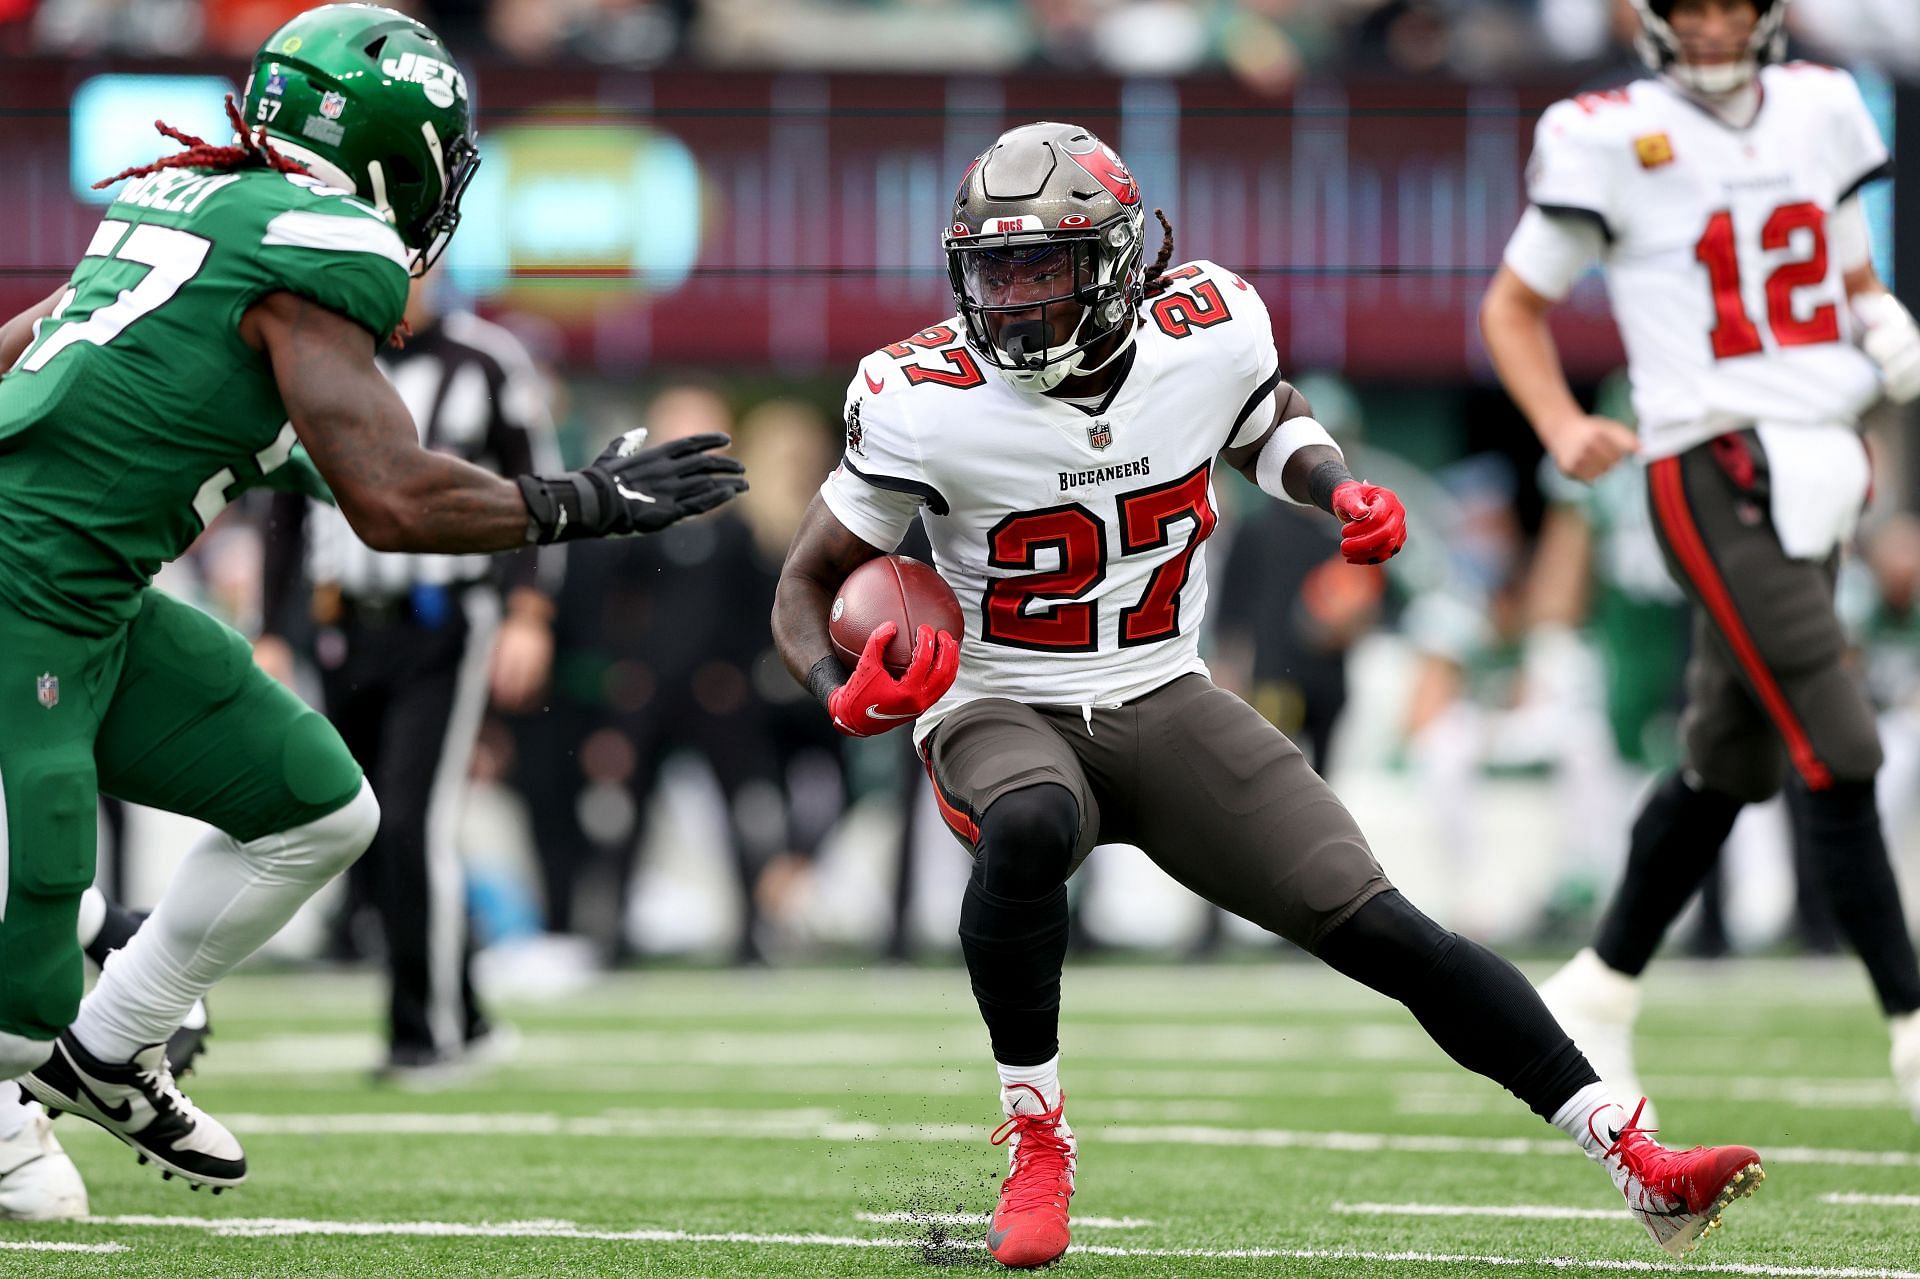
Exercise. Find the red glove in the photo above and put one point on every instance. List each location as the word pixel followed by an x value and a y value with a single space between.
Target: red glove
pixel 1376 523
pixel 873 702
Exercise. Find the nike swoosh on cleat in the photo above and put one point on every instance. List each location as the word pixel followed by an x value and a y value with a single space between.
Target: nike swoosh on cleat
pixel 117 1114
pixel 997 1237
pixel 874 712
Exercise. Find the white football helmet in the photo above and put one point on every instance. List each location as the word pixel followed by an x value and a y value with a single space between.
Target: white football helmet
pixel 1660 49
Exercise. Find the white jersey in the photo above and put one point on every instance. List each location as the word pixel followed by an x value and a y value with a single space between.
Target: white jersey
pixel 1716 252
pixel 1074 536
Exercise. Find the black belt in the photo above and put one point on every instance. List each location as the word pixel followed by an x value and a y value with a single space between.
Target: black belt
pixel 430 606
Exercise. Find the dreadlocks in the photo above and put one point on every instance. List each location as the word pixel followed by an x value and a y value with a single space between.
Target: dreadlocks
pixel 1154 281
pixel 253 151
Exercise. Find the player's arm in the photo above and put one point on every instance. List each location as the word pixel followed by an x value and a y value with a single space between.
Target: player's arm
pixel 1295 459
pixel 1888 333
pixel 399 496
pixel 824 552
pixel 16 335
pixel 1513 322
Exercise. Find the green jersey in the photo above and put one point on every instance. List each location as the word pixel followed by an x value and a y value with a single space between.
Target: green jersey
pixel 138 412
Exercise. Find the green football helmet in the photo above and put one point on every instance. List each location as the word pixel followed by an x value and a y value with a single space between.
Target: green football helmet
pixel 370 101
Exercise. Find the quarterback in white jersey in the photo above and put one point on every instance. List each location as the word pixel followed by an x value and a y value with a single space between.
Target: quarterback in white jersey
pixel 1722 199
pixel 1059 436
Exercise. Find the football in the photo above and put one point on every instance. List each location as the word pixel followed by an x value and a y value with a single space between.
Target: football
pixel 893 588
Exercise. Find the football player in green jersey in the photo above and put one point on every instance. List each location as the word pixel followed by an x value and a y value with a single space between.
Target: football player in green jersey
pixel 228 309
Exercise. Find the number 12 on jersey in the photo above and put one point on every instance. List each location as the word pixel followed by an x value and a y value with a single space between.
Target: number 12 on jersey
pixel 1734 333
pixel 1079 536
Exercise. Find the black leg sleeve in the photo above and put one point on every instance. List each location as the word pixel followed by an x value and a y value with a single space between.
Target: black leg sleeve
pixel 1676 841
pixel 1476 1005
pixel 1013 920
pixel 1843 828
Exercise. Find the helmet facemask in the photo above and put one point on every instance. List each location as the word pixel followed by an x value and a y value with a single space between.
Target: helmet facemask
pixel 1085 281
pixel 1660 48
pixel 461 160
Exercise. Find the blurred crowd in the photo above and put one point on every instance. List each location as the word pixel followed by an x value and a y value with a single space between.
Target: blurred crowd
pixel 1267 43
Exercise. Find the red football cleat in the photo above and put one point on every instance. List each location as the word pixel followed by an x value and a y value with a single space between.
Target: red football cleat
pixel 1029 1226
pixel 1678 1195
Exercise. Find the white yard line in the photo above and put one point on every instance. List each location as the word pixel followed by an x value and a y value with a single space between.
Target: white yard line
pixel 36 1245
pixel 1531 1212
pixel 813 1124
pixel 280 1226
pixel 1375 1142
pixel 1853 1197
pixel 981 1219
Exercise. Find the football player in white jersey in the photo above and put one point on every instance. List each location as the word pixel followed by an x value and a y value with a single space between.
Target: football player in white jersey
pixel 1059 436
pixel 1721 197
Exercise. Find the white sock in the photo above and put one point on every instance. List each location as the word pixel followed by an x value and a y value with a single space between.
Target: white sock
pixel 223 903
pixel 1045 1077
pixel 1581 1119
pixel 15 1111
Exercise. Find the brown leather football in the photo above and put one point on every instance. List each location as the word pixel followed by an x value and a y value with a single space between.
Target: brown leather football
pixel 897 589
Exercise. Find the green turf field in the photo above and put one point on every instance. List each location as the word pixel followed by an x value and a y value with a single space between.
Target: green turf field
pixel 1234 1120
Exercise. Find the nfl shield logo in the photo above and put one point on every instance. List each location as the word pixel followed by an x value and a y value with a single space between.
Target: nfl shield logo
pixel 48 687
pixel 1100 435
pixel 332 105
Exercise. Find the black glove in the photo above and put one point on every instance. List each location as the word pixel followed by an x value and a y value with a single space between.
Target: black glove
pixel 629 490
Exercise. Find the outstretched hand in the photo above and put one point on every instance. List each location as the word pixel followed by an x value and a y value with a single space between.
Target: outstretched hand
pixel 629 490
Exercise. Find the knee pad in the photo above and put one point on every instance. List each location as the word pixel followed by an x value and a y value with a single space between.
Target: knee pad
pixel 1026 844
pixel 1749 772
pixel 319 850
pixel 19 1055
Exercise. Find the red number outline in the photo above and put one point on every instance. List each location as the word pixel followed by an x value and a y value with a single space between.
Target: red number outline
pixel 1734 332
pixel 1015 543
pixel 1147 517
pixel 966 371
pixel 1179 314
pixel 925 340
pixel 1823 325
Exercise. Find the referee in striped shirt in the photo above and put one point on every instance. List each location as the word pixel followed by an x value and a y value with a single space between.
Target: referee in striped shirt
pixel 409 647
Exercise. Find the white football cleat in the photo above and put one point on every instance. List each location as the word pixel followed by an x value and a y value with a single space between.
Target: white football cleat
pixel 1597 1007
pixel 138 1102
pixel 37 1180
pixel 1906 1058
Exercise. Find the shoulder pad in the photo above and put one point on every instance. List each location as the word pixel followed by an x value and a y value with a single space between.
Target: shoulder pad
pixel 936 356
pixel 1605 118
pixel 1201 294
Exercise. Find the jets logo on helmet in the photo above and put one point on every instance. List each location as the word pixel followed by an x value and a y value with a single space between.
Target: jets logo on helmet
pixel 441 82
pixel 410 149
pixel 1659 47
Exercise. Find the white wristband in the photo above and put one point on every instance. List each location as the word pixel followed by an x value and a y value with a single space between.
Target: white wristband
pixel 1892 341
pixel 1294 434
